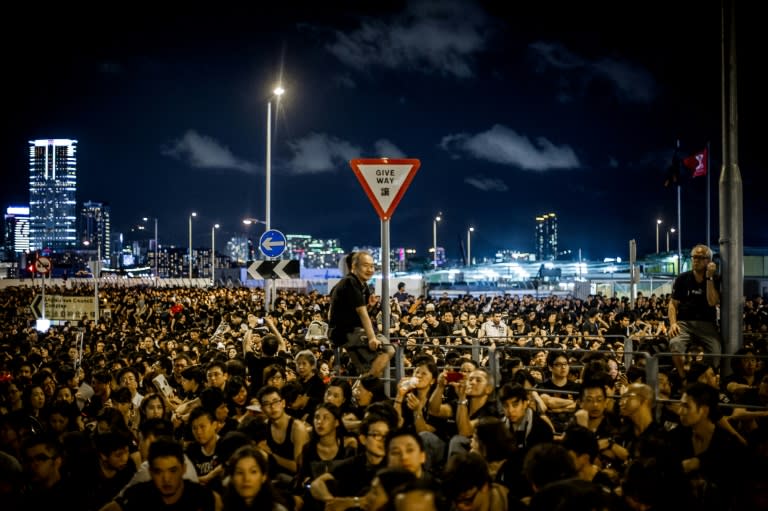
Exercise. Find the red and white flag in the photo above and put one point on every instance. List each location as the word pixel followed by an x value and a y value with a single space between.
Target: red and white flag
pixel 697 163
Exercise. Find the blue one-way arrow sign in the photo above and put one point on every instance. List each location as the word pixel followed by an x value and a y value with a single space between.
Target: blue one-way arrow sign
pixel 272 243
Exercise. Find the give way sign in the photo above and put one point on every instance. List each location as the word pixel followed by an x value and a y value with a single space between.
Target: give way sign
pixel 385 180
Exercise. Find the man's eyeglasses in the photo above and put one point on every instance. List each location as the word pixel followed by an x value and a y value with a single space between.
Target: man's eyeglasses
pixel 270 404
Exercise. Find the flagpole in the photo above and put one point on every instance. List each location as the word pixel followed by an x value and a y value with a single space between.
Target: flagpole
pixel 709 195
pixel 679 233
pixel 679 216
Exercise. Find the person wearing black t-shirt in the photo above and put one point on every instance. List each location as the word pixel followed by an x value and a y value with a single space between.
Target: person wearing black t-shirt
pixel 692 309
pixel 348 318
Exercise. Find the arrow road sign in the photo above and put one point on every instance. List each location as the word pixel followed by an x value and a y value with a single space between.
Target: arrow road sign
pixel 272 243
pixel 35 305
pixel 64 307
pixel 288 269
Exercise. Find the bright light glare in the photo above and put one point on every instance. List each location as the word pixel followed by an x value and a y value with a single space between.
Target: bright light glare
pixel 42 325
pixel 279 91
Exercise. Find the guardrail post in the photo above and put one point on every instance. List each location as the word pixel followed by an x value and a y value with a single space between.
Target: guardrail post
pixel 399 367
pixel 629 348
pixel 652 377
pixel 476 350
pixel 494 366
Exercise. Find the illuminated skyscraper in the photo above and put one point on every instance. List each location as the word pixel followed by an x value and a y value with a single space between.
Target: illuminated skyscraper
pixel 52 188
pixel 16 229
pixel 546 237
pixel 95 225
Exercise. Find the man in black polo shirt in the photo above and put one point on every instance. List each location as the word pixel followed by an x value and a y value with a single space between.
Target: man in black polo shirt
pixel 692 313
pixel 349 322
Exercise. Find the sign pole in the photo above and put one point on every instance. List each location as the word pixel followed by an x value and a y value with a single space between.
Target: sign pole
pixel 42 283
pixel 385 309
pixel 384 181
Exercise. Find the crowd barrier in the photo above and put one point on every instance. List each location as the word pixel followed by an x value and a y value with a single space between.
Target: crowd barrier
pixel 501 348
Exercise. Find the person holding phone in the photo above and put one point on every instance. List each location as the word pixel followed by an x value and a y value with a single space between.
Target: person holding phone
pixel 693 309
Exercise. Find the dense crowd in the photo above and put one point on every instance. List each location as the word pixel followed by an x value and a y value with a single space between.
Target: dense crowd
pixel 199 399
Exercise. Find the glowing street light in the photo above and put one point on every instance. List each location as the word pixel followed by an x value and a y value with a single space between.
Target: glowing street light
pixel 658 223
pixel 469 245
pixel 277 92
pixel 671 230
pixel 213 254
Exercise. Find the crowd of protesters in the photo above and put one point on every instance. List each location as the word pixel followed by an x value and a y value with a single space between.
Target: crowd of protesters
pixel 199 399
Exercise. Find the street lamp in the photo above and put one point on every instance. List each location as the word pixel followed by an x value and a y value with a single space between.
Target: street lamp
pixel 190 242
pixel 671 230
pixel 157 248
pixel 434 239
pixel 278 92
pixel 213 254
pixel 469 245
pixel 658 223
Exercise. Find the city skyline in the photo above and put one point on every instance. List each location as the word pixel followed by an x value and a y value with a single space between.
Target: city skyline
pixel 513 114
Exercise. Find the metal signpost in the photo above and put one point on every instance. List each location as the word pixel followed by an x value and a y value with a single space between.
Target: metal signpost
pixel 272 244
pixel 385 180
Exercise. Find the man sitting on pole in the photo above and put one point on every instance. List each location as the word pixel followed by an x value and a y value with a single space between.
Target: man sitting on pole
pixel 350 324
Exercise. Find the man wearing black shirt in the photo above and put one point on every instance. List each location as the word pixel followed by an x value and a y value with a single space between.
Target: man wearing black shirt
pixel 692 313
pixel 349 322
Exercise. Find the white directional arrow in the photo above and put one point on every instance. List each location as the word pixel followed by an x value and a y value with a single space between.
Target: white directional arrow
pixel 268 243
pixel 253 270
pixel 278 269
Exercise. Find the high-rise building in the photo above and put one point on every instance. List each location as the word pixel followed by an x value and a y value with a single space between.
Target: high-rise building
pixel 546 237
pixel 16 230
pixel 95 226
pixel 52 194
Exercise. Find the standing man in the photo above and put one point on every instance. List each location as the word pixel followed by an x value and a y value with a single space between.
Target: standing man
pixel 348 319
pixel 692 309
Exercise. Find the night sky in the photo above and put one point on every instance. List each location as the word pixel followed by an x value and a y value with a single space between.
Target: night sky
pixel 513 110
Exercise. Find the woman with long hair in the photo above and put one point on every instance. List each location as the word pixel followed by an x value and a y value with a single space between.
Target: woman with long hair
pixel 249 486
pixel 153 407
pixel 323 451
pixel 236 391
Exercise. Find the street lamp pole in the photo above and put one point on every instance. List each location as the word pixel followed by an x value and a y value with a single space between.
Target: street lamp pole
pixel 434 240
pixel 671 230
pixel 469 245
pixel 278 91
pixel 157 255
pixel 658 223
pixel 157 251
pixel 213 254
pixel 190 243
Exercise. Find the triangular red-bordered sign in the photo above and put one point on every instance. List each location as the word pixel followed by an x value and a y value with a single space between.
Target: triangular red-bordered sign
pixel 385 181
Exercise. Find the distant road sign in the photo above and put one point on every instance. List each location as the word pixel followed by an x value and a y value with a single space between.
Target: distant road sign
pixel 385 181
pixel 272 243
pixel 288 269
pixel 72 308
pixel 43 265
